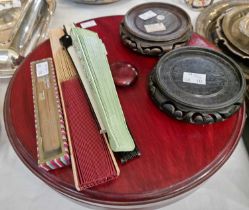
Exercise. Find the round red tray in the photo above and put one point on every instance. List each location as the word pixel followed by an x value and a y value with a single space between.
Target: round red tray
pixel 176 156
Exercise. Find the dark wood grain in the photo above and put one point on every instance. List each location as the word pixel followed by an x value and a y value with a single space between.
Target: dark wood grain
pixel 220 97
pixel 176 156
pixel 177 23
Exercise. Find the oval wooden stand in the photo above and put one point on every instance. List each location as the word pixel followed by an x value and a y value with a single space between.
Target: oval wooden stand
pixel 176 156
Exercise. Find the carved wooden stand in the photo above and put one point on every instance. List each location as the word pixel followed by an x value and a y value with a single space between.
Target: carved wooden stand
pixel 170 27
pixel 182 101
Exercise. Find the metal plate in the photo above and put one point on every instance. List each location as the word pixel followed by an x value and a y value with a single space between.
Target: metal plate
pixel 222 41
pixel 28 31
pixel 198 80
pixel 157 22
pixel 10 20
pixel 236 28
pixel 205 24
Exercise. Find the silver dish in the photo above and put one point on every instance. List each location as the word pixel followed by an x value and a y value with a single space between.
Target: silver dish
pixel 25 33
pixel 222 39
pixel 206 21
pixel 10 20
pixel 235 26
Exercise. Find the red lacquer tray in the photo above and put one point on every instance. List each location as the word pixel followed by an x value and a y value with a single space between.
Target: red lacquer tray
pixel 176 156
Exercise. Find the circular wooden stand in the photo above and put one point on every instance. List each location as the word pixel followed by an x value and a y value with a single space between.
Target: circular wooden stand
pixel 176 156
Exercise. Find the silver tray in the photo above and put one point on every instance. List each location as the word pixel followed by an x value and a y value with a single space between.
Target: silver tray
pixel 222 38
pixel 205 23
pixel 21 32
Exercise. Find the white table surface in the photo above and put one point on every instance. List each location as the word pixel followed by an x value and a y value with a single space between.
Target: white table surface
pixel 228 189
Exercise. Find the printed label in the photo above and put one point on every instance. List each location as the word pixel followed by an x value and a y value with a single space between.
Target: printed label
pixel 88 24
pixel 147 15
pixel 194 78
pixel 42 69
pixel 155 27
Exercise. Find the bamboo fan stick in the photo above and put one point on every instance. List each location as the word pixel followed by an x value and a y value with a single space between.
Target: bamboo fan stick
pixel 65 70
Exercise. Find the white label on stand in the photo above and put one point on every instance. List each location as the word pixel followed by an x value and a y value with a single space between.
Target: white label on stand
pixel 194 78
pixel 155 27
pixel 88 24
pixel 147 15
pixel 42 69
